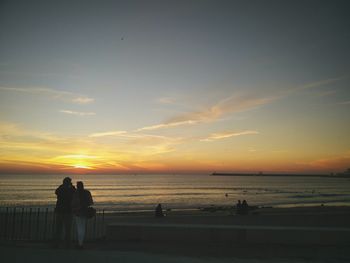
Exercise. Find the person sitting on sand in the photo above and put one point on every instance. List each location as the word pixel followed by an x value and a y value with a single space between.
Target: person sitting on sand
pixel 245 207
pixel 159 211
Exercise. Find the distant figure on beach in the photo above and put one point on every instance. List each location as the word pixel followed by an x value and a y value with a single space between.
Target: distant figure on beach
pixel 245 207
pixel 239 207
pixel 159 211
pixel 82 199
pixel 63 211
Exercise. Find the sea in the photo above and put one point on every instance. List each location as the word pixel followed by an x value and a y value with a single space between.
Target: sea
pixel 191 191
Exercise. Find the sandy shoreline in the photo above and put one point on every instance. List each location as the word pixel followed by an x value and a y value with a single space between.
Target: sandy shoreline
pixel 295 216
pixel 288 216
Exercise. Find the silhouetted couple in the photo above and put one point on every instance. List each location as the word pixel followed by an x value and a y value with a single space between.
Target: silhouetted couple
pixel 71 201
pixel 242 208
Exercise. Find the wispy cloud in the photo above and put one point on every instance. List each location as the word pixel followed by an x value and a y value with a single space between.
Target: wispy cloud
pixel 167 125
pixel 229 105
pixel 140 143
pixel 83 100
pixel 136 138
pixel 13 136
pixel 78 113
pixel 344 102
pixel 8 128
pixel 166 100
pixel 152 139
pixel 252 150
pixel 154 144
pixel 327 93
pixel 77 156
pixel 52 94
pixel 335 163
pixel 316 84
pixel 20 145
pixel 224 135
pixel 232 104
pixel 108 133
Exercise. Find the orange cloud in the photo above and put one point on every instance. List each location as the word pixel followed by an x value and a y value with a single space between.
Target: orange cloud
pixel 52 94
pixel 108 133
pixel 224 135
pixel 230 105
pixel 78 113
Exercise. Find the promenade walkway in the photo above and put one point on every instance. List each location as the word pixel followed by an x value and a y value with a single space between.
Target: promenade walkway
pixel 162 253
pixel 228 234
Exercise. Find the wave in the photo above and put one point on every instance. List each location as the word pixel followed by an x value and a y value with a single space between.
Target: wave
pixel 318 195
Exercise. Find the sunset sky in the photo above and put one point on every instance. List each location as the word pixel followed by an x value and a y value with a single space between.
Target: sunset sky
pixel 174 86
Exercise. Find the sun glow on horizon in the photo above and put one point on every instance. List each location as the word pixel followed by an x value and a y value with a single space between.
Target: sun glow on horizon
pixel 77 161
pixel 82 166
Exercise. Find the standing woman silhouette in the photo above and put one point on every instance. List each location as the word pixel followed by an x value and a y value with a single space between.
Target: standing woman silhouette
pixel 82 199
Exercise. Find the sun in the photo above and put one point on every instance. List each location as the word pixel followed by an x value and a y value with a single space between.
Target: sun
pixel 81 166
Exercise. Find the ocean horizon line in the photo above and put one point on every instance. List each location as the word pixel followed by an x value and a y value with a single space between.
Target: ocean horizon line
pixel 246 173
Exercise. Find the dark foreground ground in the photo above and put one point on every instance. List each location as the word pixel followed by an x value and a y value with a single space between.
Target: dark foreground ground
pixel 171 252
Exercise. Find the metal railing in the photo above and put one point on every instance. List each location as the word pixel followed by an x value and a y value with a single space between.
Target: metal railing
pixel 38 224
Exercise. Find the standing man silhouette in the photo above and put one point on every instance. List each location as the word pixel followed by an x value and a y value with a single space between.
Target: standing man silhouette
pixel 63 211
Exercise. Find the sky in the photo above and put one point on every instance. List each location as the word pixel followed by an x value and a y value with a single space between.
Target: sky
pixel 174 86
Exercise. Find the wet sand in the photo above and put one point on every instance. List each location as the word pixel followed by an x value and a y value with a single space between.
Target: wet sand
pixel 316 216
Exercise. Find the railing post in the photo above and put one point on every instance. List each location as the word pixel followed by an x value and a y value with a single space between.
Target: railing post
pixel 30 224
pixel 103 223
pixel 25 218
pixel 94 230
pixel 6 222
pixel 27 223
pixel 1 220
pixel 21 224
pixel 38 224
pixel 53 227
pixel 45 222
pixel 13 224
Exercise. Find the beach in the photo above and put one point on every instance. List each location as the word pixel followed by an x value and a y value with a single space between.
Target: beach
pixel 291 216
